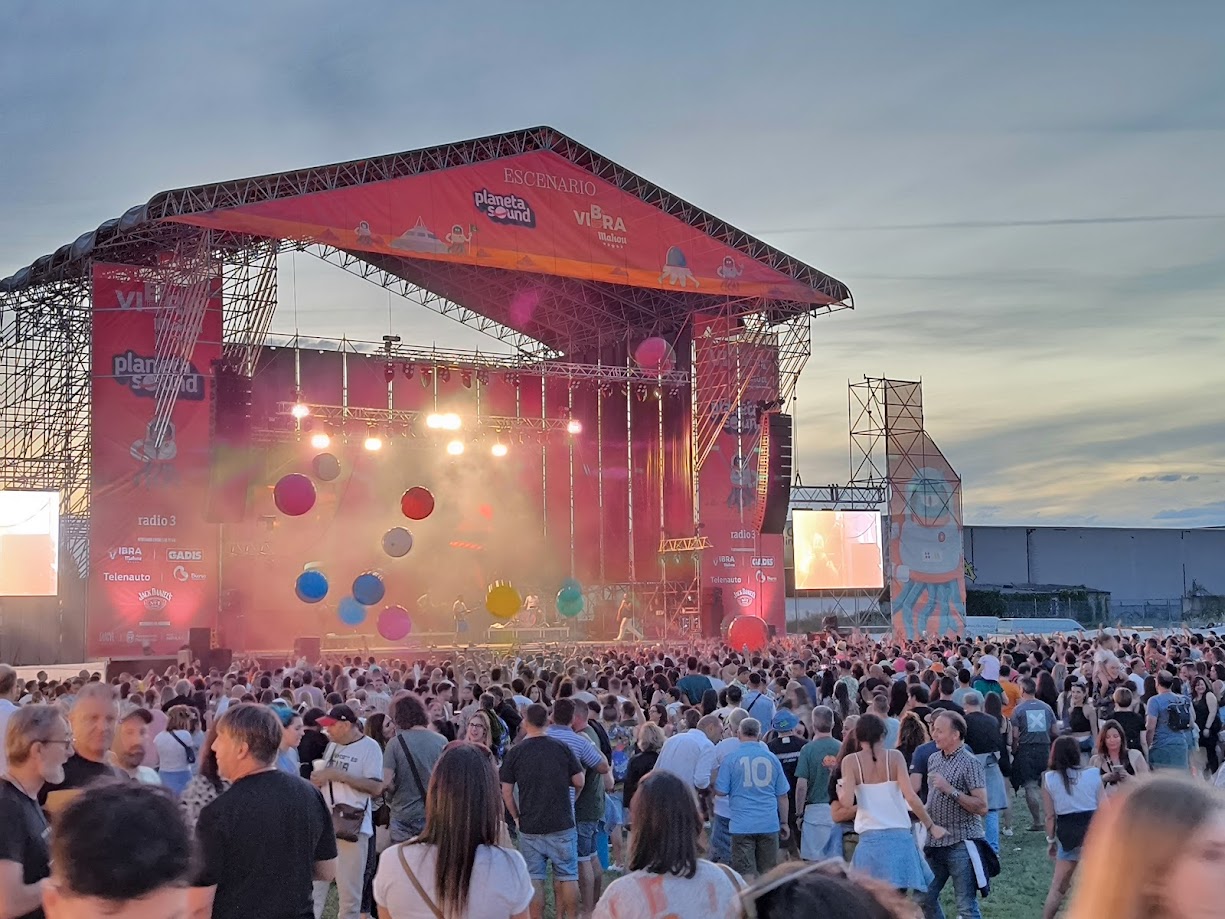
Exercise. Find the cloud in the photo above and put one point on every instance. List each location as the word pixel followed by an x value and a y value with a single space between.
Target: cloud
pixel 1168 477
pixel 1212 513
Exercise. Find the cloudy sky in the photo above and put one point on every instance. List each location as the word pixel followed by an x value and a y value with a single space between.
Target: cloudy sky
pixel 1028 202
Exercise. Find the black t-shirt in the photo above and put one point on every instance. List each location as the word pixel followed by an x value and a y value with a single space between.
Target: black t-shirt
pixel 947 705
pixel 983 733
pixel 23 837
pixel 78 773
pixel 310 748
pixel 1133 726
pixel 542 768
pixel 787 749
pixel 259 843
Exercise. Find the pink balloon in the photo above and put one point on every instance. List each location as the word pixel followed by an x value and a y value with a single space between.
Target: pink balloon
pixel 394 623
pixel 294 494
pixel 655 355
pixel 748 632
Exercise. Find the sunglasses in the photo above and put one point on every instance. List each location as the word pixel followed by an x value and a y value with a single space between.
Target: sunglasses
pixel 833 867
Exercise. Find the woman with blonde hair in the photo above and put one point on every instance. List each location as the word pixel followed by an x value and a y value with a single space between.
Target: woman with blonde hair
pixel 1155 854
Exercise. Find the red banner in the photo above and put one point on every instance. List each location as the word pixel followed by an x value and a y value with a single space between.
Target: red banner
pixel 534 212
pixel 153 558
pixel 735 371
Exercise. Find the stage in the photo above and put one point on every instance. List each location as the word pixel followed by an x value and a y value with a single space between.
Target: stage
pixel 626 438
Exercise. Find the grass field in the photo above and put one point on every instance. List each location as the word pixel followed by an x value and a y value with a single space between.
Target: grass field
pixel 1017 893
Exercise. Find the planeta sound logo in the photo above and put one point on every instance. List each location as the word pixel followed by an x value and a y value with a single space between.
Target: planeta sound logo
pixel 509 210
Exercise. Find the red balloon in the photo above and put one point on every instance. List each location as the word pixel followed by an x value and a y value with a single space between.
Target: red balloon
pixel 294 494
pixel 748 632
pixel 417 503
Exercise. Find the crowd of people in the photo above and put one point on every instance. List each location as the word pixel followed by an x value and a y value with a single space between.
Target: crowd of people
pixel 841 776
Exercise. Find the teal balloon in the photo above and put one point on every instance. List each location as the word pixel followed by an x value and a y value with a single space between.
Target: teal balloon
pixel 368 588
pixel 352 612
pixel 572 583
pixel 570 601
pixel 311 586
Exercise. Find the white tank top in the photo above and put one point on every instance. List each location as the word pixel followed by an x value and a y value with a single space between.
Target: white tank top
pixel 880 805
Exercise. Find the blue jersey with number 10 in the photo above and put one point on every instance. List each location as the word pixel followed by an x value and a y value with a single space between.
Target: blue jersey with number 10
pixel 753 779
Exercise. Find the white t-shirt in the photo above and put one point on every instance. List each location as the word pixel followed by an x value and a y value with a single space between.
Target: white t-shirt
pixel 709 894
pixel 171 757
pixel 362 758
pixel 500 885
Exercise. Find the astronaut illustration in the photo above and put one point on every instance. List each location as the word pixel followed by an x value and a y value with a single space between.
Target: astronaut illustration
pixel 363 232
pixel 676 269
pixel 925 546
pixel 730 271
pixel 744 481
pixel 458 241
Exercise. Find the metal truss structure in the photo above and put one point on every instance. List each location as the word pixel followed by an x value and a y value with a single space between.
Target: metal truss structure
pixel 839 497
pixel 582 330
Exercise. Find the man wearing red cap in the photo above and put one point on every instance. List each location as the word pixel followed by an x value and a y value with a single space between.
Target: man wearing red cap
pixel 352 773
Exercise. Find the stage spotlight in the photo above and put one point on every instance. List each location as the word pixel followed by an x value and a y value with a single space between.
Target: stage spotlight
pixel 444 374
pixel 574 426
pixel 433 421
pixel 300 410
pixel 373 443
pixel 320 441
pixel 455 447
pixel 389 372
pixel 408 371
pixel 427 378
pixel 499 449
pixel 451 422
pixel 465 377
pixel 482 377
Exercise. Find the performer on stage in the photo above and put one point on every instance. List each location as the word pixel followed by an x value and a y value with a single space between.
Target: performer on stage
pixel 460 610
pixel 626 614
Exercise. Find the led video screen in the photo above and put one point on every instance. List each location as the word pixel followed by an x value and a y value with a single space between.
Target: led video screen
pixel 838 550
pixel 29 543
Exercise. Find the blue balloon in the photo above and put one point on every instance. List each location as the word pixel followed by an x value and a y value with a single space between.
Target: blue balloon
pixel 311 586
pixel 352 612
pixel 570 601
pixel 368 588
pixel 572 582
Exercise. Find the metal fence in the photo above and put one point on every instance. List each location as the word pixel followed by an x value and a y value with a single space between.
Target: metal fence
pixel 1166 612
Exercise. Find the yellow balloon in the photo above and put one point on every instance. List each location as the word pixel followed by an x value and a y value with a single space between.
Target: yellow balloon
pixel 502 600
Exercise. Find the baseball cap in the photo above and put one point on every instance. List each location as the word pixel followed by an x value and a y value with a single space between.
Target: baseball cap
pixel 312 716
pixel 142 713
pixel 337 714
pixel 785 720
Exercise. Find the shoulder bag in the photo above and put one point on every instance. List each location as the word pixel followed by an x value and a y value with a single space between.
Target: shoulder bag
pixel 425 897
pixel 187 748
pixel 347 819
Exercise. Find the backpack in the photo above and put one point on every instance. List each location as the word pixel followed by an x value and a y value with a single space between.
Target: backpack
pixel 1179 714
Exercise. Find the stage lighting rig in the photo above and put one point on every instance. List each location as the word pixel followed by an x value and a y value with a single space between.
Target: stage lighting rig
pixel 455 447
pixel 408 370
pixel 300 409
pixel 465 377
pixel 427 377
pixel 444 374
pixel 499 449
pixel 389 372
pixel 373 442
pixel 321 441
pixel 574 426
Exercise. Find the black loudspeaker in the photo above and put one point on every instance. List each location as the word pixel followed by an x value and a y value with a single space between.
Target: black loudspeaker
pixel 229 477
pixel 309 648
pixel 777 459
pixel 713 620
pixel 200 642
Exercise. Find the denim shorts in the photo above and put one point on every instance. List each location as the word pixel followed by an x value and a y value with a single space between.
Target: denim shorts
pixel 588 830
pixel 560 848
pixel 614 811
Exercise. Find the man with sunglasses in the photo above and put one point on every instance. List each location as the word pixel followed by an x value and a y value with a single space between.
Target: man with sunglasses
pixel 37 744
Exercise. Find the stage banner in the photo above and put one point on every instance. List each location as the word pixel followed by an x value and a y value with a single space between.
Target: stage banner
pixel 736 370
pixel 153 558
pixel 533 212
pixel 926 563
